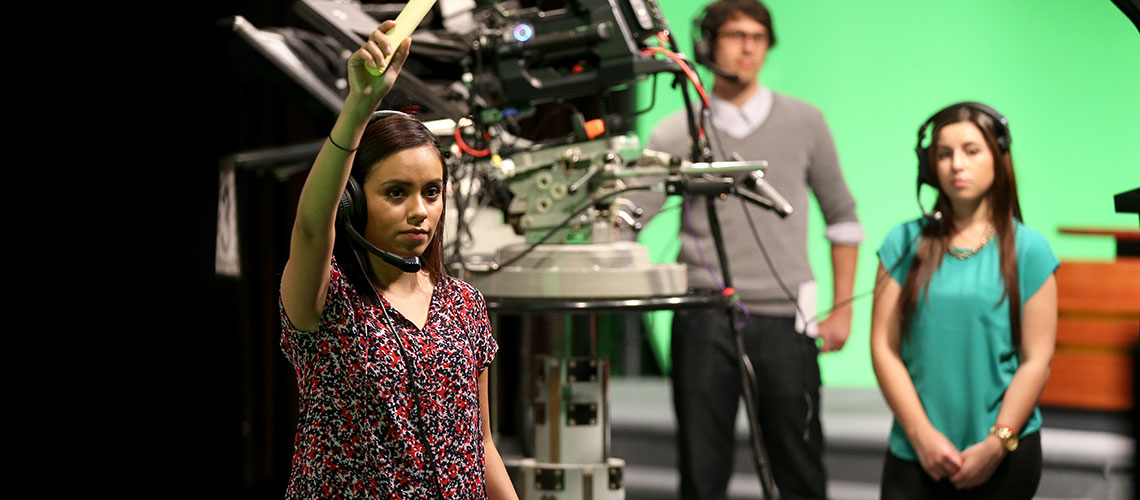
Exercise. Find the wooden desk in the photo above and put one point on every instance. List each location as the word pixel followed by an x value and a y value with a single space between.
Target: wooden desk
pixel 1098 305
pixel 1127 240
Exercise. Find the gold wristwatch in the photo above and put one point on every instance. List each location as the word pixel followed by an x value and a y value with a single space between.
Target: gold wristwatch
pixel 1006 435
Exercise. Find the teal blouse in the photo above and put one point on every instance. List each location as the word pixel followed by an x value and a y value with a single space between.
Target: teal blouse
pixel 959 353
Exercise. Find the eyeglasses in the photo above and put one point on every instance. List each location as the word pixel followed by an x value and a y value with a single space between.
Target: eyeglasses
pixel 740 36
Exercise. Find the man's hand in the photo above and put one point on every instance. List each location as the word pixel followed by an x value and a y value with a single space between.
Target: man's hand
pixel 834 331
pixel 837 327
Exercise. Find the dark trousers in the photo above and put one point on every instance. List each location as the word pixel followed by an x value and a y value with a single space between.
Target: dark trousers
pixel 706 395
pixel 1016 477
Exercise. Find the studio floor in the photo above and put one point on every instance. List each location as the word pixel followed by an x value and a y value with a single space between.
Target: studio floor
pixel 1086 455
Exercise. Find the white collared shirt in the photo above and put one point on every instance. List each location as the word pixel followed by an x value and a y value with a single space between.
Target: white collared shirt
pixel 742 121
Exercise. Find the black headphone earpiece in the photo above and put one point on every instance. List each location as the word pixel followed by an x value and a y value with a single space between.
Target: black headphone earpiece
pixel 702 41
pixel 352 210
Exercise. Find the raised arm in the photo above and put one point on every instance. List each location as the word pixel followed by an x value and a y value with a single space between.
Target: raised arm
pixel 304 283
pixel 937 455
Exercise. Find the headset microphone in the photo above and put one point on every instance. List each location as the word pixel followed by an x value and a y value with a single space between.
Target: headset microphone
pixel 405 264
pixel 718 70
pixel 935 216
pixel 722 73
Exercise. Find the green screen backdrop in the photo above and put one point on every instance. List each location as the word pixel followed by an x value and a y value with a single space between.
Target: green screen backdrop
pixel 1066 74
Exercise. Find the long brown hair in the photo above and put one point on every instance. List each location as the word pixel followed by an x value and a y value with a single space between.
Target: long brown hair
pixel 1004 207
pixel 382 139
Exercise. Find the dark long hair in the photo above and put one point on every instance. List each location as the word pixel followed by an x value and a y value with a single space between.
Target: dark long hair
pixel 382 139
pixel 1004 208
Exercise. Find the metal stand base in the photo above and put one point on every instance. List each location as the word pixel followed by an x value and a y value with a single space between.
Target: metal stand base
pixel 545 481
pixel 565 389
pixel 600 270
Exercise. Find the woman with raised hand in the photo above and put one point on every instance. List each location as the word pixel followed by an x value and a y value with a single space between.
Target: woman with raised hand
pixel 390 352
pixel 962 331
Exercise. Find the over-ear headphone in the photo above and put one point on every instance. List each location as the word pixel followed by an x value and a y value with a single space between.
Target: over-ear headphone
pixel 353 213
pixel 925 172
pixel 702 40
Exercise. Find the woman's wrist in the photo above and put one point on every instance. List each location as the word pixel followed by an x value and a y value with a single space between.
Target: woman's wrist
pixel 357 108
pixel 1005 435
pixel 916 432
pixel 996 445
pixel 345 133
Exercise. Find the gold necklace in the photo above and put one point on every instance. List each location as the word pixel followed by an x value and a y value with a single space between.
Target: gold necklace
pixel 970 253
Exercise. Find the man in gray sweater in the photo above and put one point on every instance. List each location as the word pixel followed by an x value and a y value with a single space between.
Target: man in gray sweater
pixel 755 123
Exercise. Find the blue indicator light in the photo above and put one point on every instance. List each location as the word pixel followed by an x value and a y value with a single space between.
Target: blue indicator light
pixel 523 32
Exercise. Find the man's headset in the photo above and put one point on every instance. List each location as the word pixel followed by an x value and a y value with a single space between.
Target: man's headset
pixel 353 213
pixel 926 172
pixel 703 41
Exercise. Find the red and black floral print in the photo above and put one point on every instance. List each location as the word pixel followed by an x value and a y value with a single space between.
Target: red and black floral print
pixel 366 430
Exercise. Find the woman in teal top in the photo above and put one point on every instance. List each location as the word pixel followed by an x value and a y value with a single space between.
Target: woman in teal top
pixel 962 331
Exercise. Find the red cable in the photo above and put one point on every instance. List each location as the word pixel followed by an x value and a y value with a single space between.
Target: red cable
pixel 689 73
pixel 467 149
pixel 684 67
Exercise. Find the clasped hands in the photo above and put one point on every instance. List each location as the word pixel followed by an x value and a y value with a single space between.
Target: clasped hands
pixel 967 469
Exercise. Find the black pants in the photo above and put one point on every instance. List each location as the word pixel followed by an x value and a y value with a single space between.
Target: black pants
pixel 1016 477
pixel 706 394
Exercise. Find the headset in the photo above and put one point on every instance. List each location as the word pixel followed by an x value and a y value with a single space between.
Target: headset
pixel 926 172
pixel 703 41
pixel 353 213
